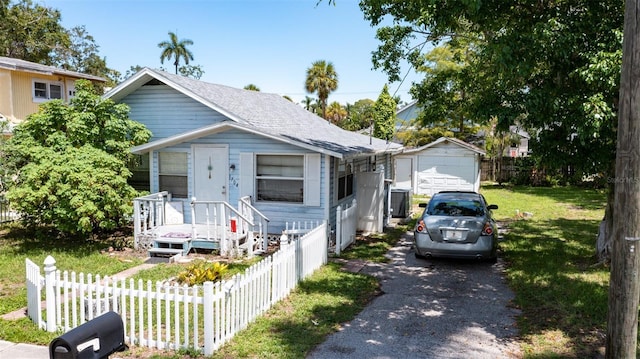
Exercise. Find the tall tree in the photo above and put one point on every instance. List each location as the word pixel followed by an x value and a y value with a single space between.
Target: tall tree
pixel 360 115
pixel 554 65
pixel 193 71
pixel 322 79
pixel 624 285
pixel 176 49
pixel 82 55
pixel 336 113
pixel 384 115
pixel 445 88
pixel 30 31
pixel 308 102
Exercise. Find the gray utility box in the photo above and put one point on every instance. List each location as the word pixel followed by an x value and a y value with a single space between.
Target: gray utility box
pixel 400 202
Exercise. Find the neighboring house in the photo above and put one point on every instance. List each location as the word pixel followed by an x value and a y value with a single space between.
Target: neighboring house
pixel 519 146
pixel 219 143
pixel 406 114
pixel 25 85
pixel 447 164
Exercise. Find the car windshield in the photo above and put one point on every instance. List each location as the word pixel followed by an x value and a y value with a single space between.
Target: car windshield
pixel 455 207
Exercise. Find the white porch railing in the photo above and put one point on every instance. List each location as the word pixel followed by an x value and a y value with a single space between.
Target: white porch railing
pixel 346 226
pixel 227 224
pixel 171 316
pixel 148 214
pixel 254 215
pixel 6 214
pixel 219 217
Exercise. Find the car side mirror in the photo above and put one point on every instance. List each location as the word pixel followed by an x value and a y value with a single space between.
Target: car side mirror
pixel 492 206
pixel 422 205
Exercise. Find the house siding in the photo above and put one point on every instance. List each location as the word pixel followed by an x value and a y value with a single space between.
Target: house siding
pixel 194 109
pixel 167 112
pixel 6 95
pixel 23 99
pixel 241 142
pixel 16 92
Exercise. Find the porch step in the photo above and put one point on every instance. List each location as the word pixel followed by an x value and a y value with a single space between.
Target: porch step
pixel 172 240
pixel 164 251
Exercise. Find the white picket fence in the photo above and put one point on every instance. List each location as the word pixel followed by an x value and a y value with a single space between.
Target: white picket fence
pixel 167 316
pixel 346 226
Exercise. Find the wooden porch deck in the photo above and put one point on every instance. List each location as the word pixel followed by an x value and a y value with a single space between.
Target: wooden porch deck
pixel 232 231
pixel 174 239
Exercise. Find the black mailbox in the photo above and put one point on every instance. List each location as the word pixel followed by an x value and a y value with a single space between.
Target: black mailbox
pixel 97 338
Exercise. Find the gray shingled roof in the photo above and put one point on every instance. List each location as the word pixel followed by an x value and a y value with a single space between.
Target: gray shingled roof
pixel 22 65
pixel 269 113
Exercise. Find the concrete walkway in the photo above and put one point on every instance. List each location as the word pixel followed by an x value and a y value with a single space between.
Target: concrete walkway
pixel 23 351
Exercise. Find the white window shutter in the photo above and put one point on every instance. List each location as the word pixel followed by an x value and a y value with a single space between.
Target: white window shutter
pixel 247 176
pixel 312 179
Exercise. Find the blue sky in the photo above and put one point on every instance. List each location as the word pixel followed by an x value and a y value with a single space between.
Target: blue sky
pixel 269 43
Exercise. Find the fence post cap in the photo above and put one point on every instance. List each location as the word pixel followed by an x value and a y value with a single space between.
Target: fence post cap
pixel 49 261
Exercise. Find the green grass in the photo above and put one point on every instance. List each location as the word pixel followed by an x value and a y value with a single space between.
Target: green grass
pixel 18 244
pixel 295 325
pixel 551 266
pixel 374 247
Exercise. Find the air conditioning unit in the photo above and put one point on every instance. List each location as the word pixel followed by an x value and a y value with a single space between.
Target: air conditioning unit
pixel 400 203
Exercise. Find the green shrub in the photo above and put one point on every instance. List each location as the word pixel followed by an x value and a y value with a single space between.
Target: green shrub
pixel 65 166
pixel 201 271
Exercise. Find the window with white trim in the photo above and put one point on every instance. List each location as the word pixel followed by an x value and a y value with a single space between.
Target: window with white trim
pixel 172 173
pixel 280 178
pixel 46 90
pixel 139 167
pixel 345 179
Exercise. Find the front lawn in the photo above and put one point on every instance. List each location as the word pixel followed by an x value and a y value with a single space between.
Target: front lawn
pixel 552 267
pixel 550 264
pixel 18 244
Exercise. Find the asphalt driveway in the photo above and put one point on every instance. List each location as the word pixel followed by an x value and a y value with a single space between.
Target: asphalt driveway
pixel 430 309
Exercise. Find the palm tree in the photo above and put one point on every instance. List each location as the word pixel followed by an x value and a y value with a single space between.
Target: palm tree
pixel 322 79
pixel 308 101
pixel 336 113
pixel 175 49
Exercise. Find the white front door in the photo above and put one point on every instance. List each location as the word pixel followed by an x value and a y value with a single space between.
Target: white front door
pixel 210 173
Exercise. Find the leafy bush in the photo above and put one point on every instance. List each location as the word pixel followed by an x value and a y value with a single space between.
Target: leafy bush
pixel 65 166
pixel 201 271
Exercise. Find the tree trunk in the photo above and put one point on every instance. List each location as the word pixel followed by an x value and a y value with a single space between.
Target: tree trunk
pixel 624 289
pixel 603 243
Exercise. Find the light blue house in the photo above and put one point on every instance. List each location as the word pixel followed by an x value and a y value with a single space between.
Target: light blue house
pixel 217 143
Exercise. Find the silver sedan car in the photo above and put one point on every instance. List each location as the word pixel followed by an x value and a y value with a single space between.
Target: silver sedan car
pixel 457 225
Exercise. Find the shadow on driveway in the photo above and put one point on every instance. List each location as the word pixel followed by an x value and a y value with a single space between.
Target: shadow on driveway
pixel 430 309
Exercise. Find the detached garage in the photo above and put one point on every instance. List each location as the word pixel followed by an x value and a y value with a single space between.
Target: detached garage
pixel 447 164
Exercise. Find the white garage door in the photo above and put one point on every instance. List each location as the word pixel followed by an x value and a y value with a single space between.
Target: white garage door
pixel 445 173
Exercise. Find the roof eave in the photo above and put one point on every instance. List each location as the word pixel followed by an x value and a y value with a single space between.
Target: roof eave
pixel 221 127
pixel 443 139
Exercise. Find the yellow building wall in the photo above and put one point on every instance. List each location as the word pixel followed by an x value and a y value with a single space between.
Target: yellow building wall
pixel 16 92
pixel 22 97
pixel 6 106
